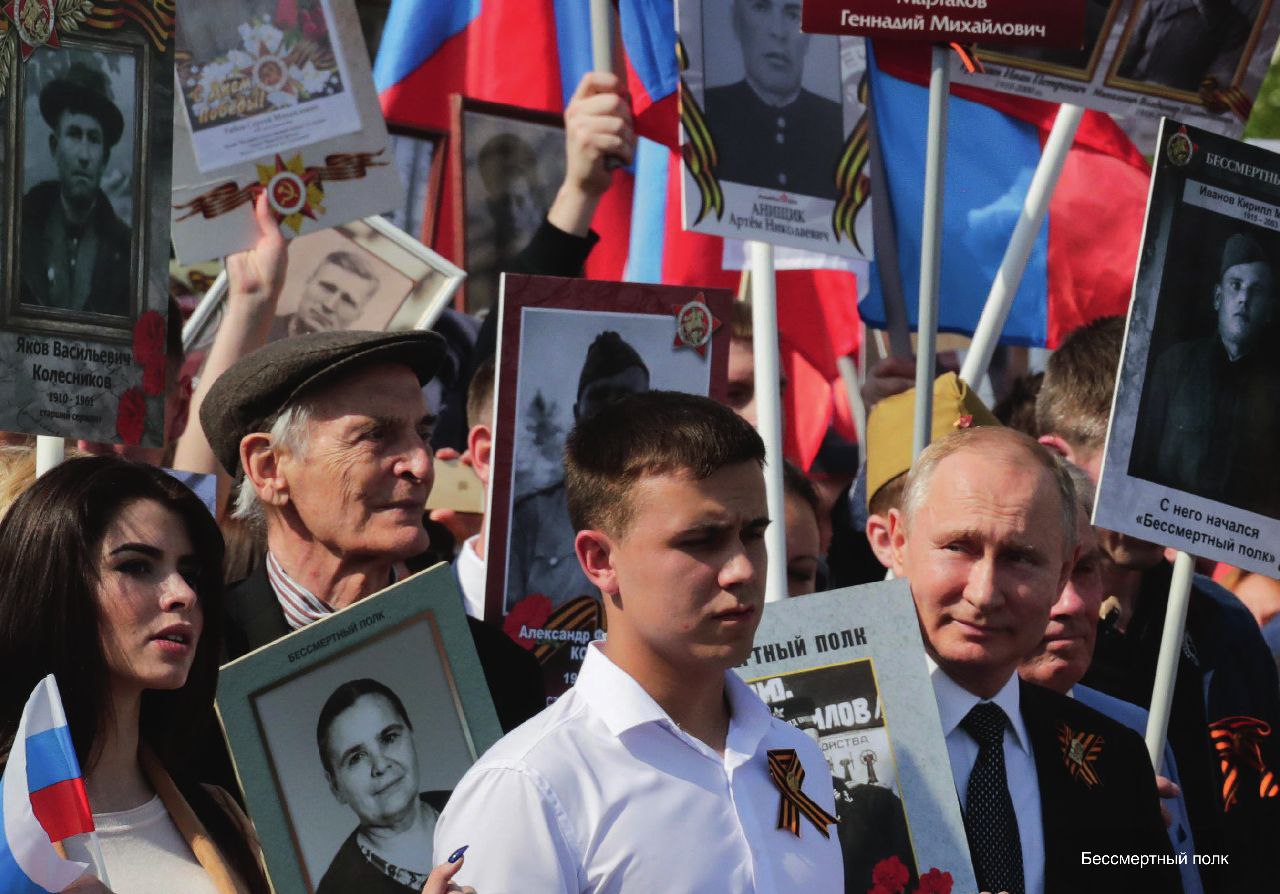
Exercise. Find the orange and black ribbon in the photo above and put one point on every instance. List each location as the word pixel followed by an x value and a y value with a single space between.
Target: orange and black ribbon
pixel 582 613
pixel 967 58
pixel 788 775
pixel 1218 99
pixel 852 184
pixel 1238 744
pixel 229 196
pixel 155 18
pixel 1080 751
pixel 699 151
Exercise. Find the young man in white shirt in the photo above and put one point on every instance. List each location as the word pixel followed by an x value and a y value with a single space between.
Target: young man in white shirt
pixel 654 772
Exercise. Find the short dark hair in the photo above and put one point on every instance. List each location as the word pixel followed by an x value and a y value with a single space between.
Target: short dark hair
pixel 343 698
pixel 650 433
pixel 797 484
pixel 480 394
pixel 1079 381
pixel 348 261
pixel 1017 409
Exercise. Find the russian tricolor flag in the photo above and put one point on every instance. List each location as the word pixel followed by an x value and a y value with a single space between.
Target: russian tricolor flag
pixel 44 799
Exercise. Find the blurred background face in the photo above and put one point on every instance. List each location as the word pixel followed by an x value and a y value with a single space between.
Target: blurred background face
pixel 1245 301
pixel 773 47
pixel 374 764
pixel 803 546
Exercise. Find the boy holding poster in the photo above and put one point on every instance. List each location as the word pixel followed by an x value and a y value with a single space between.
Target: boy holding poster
pixel 666 493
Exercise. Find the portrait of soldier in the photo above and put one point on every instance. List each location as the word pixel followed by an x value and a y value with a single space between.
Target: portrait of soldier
pixel 334 296
pixel 510 211
pixel 370 761
pixel 1180 43
pixel 769 130
pixel 542 557
pixel 75 250
pixel 1209 418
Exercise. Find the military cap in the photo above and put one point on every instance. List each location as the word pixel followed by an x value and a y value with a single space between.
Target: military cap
pixel 891 426
pixel 607 356
pixel 1242 249
pixel 249 396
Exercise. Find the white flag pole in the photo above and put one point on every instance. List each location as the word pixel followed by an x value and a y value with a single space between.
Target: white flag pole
pixel 50 451
pixel 931 246
pixel 601 36
pixel 1014 264
pixel 1175 624
pixel 764 345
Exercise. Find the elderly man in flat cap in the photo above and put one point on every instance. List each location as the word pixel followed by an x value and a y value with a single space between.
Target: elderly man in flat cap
pixel 75 250
pixel 1209 420
pixel 330 432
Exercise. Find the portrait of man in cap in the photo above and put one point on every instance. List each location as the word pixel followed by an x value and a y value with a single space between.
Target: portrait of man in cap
pixel 1209 417
pixel 75 250
pixel 770 131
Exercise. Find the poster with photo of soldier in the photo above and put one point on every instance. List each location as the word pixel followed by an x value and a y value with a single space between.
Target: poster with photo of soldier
pixel 86 94
pixel 1190 454
pixel 1199 61
pixel 568 347
pixel 848 669
pixel 773 128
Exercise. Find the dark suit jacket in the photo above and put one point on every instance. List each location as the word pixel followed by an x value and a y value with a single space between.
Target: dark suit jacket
pixel 1118 815
pixel 349 872
pixel 111 265
pixel 254 619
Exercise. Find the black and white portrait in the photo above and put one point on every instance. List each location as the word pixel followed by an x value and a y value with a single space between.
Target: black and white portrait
pixel 365 749
pixel 772 97
pixel 79 171
pixel 513 168
pixel 1179 44
pixel 1099 16
pixel 577 362
pixel 1209 417
pixel 419 159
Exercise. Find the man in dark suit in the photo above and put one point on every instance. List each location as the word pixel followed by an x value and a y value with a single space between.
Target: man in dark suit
pixel 986 537
pixel 331 432
pixel 770 131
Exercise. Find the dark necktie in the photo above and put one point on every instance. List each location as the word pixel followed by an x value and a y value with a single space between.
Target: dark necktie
pixel 988 811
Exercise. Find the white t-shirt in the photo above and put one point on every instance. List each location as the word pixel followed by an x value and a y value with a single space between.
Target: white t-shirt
pixel 144 852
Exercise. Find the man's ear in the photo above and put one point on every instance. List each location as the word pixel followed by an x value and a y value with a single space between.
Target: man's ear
pixel 261 464
pixel 1059 445
pixel 897 543
pixel 595 555
pixel 878 537
pixel 480 447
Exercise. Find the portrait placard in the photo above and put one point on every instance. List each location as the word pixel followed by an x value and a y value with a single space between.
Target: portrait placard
pixel 1198 62
pixel 378 709
pixel 506 170
pixel 420 158
pixel 85 101
pixel 366 274
pixel 773 129
pixel 1055 23
pixel 565 347
pixel 848 668
pixel 278 98
pixel 1190 454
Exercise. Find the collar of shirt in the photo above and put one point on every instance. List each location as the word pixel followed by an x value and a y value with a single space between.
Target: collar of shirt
pixel 773 103
pixel 471 572
pixel 955 702
pixel 622 704
pixel 299 605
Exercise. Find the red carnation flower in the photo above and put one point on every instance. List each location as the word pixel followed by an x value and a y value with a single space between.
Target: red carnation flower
pixel 153 377
pixel 131 416
pixel 148 338
pixel 531 611
pixel 935 881
pixel 890 875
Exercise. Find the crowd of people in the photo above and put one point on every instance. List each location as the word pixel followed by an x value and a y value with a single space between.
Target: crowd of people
pixel 652 772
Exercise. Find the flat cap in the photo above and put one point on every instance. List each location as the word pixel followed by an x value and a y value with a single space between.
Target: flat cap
pixel 891 425
pixel 248 397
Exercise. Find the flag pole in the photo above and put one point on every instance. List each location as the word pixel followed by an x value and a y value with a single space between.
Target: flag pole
pixel 601 36
pixel 764 344
pixel 1175 624
pixel 931 246
pixel 50 451
pixel 1034 208
pixel 99 862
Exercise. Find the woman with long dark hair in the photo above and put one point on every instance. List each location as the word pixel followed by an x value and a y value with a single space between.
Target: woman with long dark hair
pixel 110 579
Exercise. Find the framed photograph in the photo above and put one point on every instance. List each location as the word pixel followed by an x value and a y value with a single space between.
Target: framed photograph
pixel 366 274
pixel 85 104
pixel 566 346
pixel 375 711
pixel 1200 62
pixel 276 98
pixel 420 159
pixel 848 668
pixel 1190 450
pixel 507 165
pixel 773 129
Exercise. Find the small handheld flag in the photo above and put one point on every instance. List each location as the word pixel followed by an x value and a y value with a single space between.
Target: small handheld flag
pixel 44 799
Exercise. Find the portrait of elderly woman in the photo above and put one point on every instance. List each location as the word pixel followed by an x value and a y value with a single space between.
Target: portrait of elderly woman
pixel 366 744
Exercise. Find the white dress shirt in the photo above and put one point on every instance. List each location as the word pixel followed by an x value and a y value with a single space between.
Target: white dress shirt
pixel 954 703
pixel 603 793
pixel 471 572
